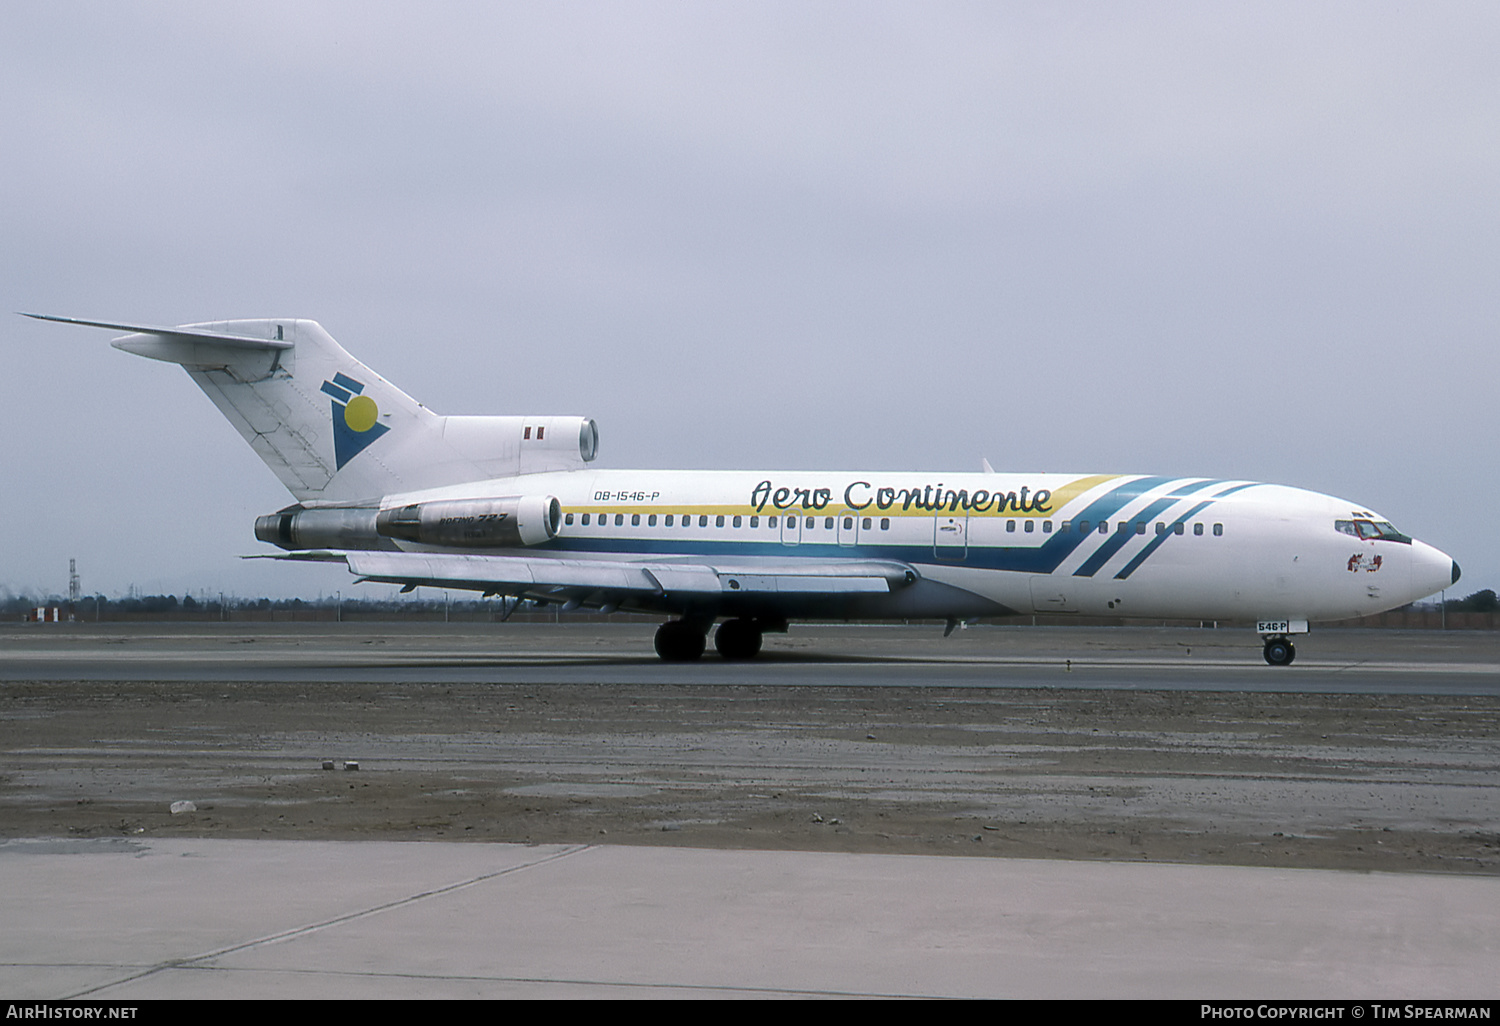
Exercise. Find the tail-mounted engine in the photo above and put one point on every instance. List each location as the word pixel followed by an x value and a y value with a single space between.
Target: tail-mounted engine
pixel 455 523
pixel 507 446
pixel 474 523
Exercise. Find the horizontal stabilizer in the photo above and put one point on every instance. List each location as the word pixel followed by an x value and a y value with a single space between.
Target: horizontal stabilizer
pixel 182 334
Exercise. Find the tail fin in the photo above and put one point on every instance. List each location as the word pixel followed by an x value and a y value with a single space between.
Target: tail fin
pixel 332 429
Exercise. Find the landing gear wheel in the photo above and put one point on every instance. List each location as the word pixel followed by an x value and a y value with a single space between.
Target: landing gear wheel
pixel 1280 652
pixel 738 639
pixel 679 642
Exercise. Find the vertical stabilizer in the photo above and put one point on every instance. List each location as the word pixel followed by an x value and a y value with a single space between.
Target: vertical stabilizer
pixel 332 429
pixel 312 412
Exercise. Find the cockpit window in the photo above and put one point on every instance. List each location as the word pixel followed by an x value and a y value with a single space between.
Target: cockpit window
pixel 1372 530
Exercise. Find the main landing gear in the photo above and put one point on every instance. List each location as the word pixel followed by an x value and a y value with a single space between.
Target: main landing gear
pixel 1280 651
pixel 682 641
pixel 678 641
pixel 738 639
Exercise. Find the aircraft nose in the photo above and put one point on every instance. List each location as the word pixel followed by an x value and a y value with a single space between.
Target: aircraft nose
pixel 1432 570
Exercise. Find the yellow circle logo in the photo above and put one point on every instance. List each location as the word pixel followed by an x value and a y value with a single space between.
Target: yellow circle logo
pixel 360 414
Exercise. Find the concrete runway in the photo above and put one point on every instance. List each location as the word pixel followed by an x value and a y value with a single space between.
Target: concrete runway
pixel 127 920
pixel 796 798
pixel 1345 661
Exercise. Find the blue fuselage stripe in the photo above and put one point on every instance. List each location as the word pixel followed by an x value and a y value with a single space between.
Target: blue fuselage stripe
pixel 1118 539
pixel 1160 540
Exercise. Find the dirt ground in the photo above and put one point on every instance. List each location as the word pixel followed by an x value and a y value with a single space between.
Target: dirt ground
pixel 1404 782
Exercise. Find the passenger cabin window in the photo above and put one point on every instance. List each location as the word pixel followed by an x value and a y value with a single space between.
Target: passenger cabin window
pixel 1198 529
pixel 1046 527
pixel 1010 526
pixel 1218 530
pixel 1177 528
pixel 885 523
pixel 1030 526
pixel 568 519
pixel 719 520
pixel 619 519
pixel 737 521
pixel 668 521
pixel 703 520
pixel 635 520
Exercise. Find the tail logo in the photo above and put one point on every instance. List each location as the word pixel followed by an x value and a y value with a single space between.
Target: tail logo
pixel 356 418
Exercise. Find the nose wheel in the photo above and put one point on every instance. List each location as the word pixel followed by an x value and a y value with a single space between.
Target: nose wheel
pixel 1280 651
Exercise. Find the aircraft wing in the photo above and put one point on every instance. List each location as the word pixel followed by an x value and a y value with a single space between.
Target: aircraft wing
pixel 560 579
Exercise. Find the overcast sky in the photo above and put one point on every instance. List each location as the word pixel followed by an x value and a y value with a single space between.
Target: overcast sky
pixel 1242 241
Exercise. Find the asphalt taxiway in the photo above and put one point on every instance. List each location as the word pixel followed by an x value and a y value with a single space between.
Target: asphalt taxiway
pixel 1162 813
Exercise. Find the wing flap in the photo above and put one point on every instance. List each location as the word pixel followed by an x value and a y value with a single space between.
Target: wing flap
pixel 503 572
pixel 803 584
pixel 516 574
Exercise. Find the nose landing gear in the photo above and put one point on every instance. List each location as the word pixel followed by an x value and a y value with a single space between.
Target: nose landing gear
pixel 1280 651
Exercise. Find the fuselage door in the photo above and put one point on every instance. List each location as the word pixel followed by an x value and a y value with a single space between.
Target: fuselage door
pixel 950 537
pixel 791 529
pixel 848 528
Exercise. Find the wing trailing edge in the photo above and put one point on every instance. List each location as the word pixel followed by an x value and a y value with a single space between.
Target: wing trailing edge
pixel 515 575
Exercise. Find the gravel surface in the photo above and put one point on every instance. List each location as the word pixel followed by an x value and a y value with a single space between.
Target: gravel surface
pixel 1305 777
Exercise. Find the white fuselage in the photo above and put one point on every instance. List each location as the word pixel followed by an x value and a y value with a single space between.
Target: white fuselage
pixel 1045 543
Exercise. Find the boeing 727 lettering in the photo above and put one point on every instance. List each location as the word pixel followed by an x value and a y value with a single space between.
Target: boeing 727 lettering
pixel 512 505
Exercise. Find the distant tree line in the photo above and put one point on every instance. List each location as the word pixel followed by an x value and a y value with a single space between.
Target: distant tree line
pixel 1480 602
pixel 168 607
pixel 14 607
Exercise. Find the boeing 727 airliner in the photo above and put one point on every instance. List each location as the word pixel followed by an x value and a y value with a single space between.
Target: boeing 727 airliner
pixel 510 505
